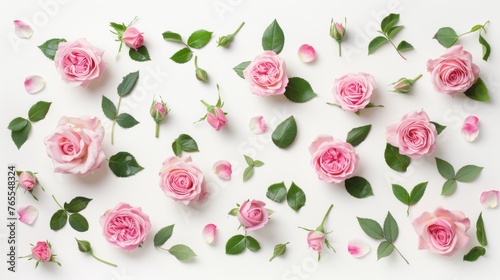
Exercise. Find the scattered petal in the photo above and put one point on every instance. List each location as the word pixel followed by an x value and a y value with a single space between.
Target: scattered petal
pixel 34 84
pixel 27 214
pixel 223 169
pixel 470 128
pixel 209 233
pixel 489 199
pixel 22 30
pixel 358 248
pixel 257 125
pixel 306 53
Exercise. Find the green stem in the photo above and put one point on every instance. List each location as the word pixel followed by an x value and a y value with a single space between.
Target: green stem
pixel 322 225
pixel 103 261
pixel 196 62
pixel 157 130
pixel 205 103
pixel 57 202
pixel 416 79
pixel 114 121
pixel 340 49
pixel 238 30
pixel 396 48
pixel 395 248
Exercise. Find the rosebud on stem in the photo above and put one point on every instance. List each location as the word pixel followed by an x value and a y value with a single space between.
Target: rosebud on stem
pixel 225 41
pixel 158 112
pixel 201 74
pixel 84 247
pixel 404 85
pixel 337 32
pixel 321 227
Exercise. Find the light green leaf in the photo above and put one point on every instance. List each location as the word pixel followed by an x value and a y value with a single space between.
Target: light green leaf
pixel 478 91
pixel 108 108
pixel 233 212
pixel 241 67
pixel 486 47
pixel 17 124
pixel 248 173
pixel 19 137
pixel 401 194
pixel 249 160
pixel 475 253
pixel 78 222
pixel 273 38
pixel 199 39
pixel 77 204
pixel 439 128
pixel 480 232
pixel 279 250
pixel 449 187
pixel 468 173
pixel 276 192
pixel 126 120
pixel 391 32
pixel 236 244
pixel 385 249
pixel 182 56
pixel 404 46
pixel 358 187
pixel 172 37
pixel 357 135
pixel 395 160
pixel 476 27
pixel 182 252
pixel 417 193
pixel 38 111
pixel 391 230
pixel 285 133
pixel 49 48
pixel 445 169
pixel 371 228
pixel 258 163
pixel 252 244
pixel 388 22
pixel 141 54
pixel 163 235
pixel 446 36
pixel 296 197
pixel 376 43
pixel 128 83
pixel 299 90
pixel 123 164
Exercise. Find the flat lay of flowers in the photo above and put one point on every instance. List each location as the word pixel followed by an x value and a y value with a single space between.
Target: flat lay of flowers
pixel 242 140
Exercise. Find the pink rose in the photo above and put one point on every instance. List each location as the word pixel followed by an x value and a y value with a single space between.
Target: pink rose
pixel 453 72
pixel 27 180
pixel 334 160
pixel 414 135
pixel 218 120
pixel 252 215
pixel 41 251
pixel 76 145
pixel 182 180
pixel 133 38
pixel 442 232
pixel 78 62
pixel 267 74
pixel 353 91
pixel 315 240
pixel 125 226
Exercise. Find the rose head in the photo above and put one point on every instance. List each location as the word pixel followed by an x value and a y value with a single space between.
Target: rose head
pixel 353 91
pixel 414 135
pixel 27 180
pixel 252 215
pixel 267 74
pixel 41 251
pixel 158 110
pixel 442 232
pixel 453 72
pixel 78 62
pixel 218 120
pixel 133 38
pixel 125 226
pixel 315 240
pixel 182 180
pixel 334 160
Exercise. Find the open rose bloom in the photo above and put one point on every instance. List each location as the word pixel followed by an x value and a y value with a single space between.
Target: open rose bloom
pixel 252 215
pixel 353 91
pixel 315 240
pixel 42 253
pixel 267 74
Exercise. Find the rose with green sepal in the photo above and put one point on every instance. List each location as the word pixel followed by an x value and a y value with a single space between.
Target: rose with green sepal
pixel 317 238
pixel 215 116
pixel 133 38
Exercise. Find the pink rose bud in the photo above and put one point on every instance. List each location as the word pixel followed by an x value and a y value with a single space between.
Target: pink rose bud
pixel 470 128
pixel 218 120
pixel 315 240
pixel 489 199
pixel 337 31
pixel 306 53
pixel 22 29
pixel 34 84
pixel 257 125
pixel 158 110
pixel 404 85
pixel 358 248
pixel 27 214
pixel 41 251
pixel 223 169
pixel 209 232
pixel 27 180
pixel 133 38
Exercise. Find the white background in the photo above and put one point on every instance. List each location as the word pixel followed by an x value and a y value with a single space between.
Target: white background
pixel 302 22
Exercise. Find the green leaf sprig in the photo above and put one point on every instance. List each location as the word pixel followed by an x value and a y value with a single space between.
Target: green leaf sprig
pixel 465 174
pixel 249 170
pixel 71 212
pixel 21 127
pixel 180 251
pixel 409 199
pixel 447 37
pixel 85 247
pixel 389 29
pixel 184 143
pixel 141 54
pixel 478 251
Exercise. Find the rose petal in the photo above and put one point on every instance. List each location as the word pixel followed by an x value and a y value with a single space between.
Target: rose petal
pixel 358 248
pixel 27 214
pixel 34 84
pixel 209 233
pixel 22 30
pixel 489 199
pixel 306 53
pixel 257 125
pixel 223 169
pixel 470 128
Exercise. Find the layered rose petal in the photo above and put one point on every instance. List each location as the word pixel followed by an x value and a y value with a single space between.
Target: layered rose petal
pixel 209 232
pixel 34 84
pixel 133 38
pixel 267 74
pixel 252 215
pixel 470 128
pixel 257 125
pixel 218 120
pixel 41 251
pixel 27 180
pixel 306 53
pixel 353 91
pixel 358 248
pixel 223 169
pixel 489 199
pixel 27 214
pixel 22 29
pixel 315 240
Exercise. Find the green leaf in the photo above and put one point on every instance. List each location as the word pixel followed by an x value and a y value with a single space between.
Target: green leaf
pixel 468 173
pixel 449 187
pixel 417 193
pixel 445 169
pixel 163 235
pixel 236 244
pixel 357 135
pixel 404 46
pixel 39 111
pixel 118 27
pixel 20 136
pixel 108 108
pixel 128 83
pixel 401 194
pixel 123 164
pixel 391 32
pixel 126 120
pixel 299 90
pixel 376 43
pixel 486 47
pixel 446 36
pixel 78 222
pixel 141 54
pixel 182 252
pixel 49 48
pixel 77 204
pixel 371 228
pixel 248 173
pixel 182 56
pixel 358 187
pixel 58 220
pixel 388 22
pixel 258 163
pixel 395 160
pixel 279 250
pixel 296 198
pixel 172 37
pixel 252 244
pixel 480 232
pixel 476 27
pixel 439 128
pixel 384 249
pixel 478 91
pixel 276 192
pixel 199 39
pixel 233 212
pixel 241 67
pixel 184 143
pixel 391 230
pixel 249 160
pixel 177 148
pixel 285 133
pixel 17 124
pixel 273 38
pixel 475 253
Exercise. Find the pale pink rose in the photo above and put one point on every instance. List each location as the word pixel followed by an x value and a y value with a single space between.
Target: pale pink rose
pixel 218 120
pixel 209 232
pixel 489 199
pixel 27 214
pixel 27 180
pixel 182 180
pixel 414 135
pixel 453 72
pixel 315 240
pixel 470 128
pixel 76 145
pixel 353 91
pixel 252 215
pixel 223 169
pixel 306 53
pixel 22 30
pixel 133 38
pixel 34 84
pixel 267 74
pixel 358 248
pixel 442 232
pixel 125 226
pixel 257 125
pixel 41 251
pixel 333 160
pixel 79 63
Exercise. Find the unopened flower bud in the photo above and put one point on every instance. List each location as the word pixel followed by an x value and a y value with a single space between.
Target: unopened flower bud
pixel 224 41
pixel 337 31
pixel 158 110
pixel 404 85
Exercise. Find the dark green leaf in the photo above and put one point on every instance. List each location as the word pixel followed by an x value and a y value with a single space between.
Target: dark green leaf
pixel 77 204
pixel 49 48
pixel 279 250
pixel 184 143
pixel 376 43
pixel 357 135
pixel 39 111
pixel 248 173
pixel 241 67
pixel 404 46
pixel 177 148
pixel 384 249
pixel 199 39
pixel 123 164
pixel 449 187
pixel 273 38
pixel 78 222
pixel 358 187
pixel 445 169
pixel 299 90
pixel 295 197
pixel 126 120
pixel 58 220
pixel 371 228
pixel 401 194
pixel 391 230
pixel 258 163
pixel 182 56
pixel 141 54
pixel 236 244
pixel 20 136
pixel 119 27
pixel 249 160
pixel 276 192
pixel 252 244
pixel 388 22
pixel 108 108
pixel 486 47
pixel 391 32
pixel 171 36
pixel 446 36
pixel 285 133
pixel 395 160
pixel 163 235
pixel 439 128
pixel 182 252
pixel 480 232
pixel 475 253
pixel 478 91
pixel 468 173
pixel 17 124
pixel 417 192
pixel 128 83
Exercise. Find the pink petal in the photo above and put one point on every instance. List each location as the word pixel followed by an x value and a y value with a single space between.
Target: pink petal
pixel 489 199
pixel 257 125
pixel 22 30
pixel 27 214
pixel 34 84
pixel 209 233
pixel 306 53
pixel 358 248
pixel 223 169
pixel 470 128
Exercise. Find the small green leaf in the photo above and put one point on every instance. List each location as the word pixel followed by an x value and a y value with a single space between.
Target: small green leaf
pixel 78 222
pixel 17 124
pixel 233 212
pixel 388 22
pixel 77 204
pixel 184 143
pixel 126 120
pixel 58 220
pixel 284 134
pixel 358 187
pixel 39 111
pixel 118 27
pixel 371 228
pixel 249 160
pixel 199 39
pixel 123 164
pixel 357 135
pixel 108 108
pixel 468 173
pixel 49 48
pixel 279 250
pixel 128 83
pixel 395 160
pixel 376 43
pixel 299 90
pixel 163 235
pixel 172 37
pixel 252 244
pixel 475 253
pixel 258 163
pixel 177 148
pixel 182 56
pixel 449 187
pixel 384 249
pixel 19 137
pixel 417 193
pixel 391 230
pixel 478 91
pixel 401 194
pixel 445 169
pixel 404 46
pixel 296 198
pixel 480 232
pixel 391 32
pixel 236 244
pixel 273 38
pixel 248 173
pixel 476 27
pixel 141 54
pixel 439 128
pixel 276 192
pixel 241 67
pixel 446 36
pixel 486 47
pixel 182 252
